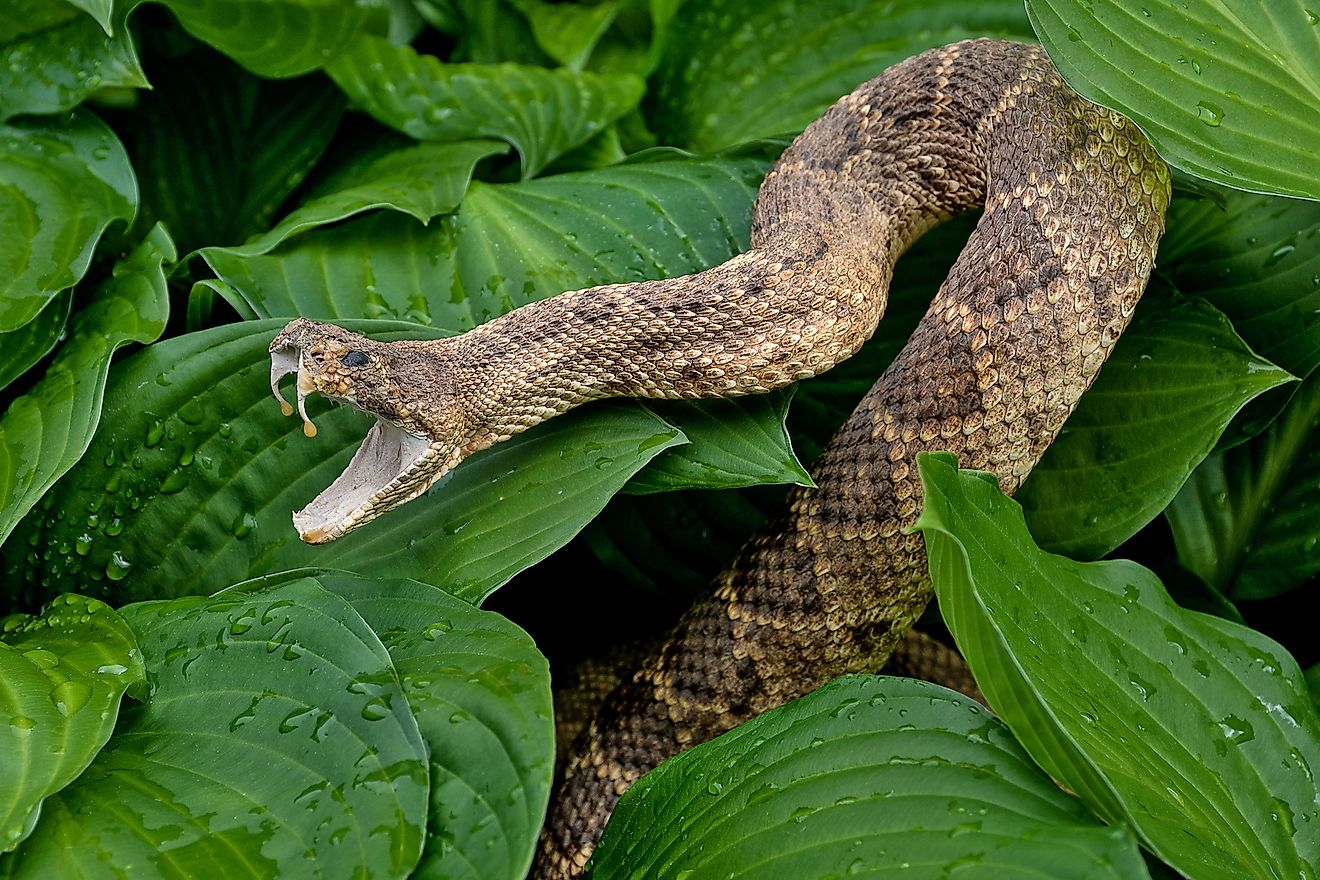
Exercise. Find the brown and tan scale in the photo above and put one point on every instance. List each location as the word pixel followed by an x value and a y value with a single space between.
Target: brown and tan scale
pixel 1073 200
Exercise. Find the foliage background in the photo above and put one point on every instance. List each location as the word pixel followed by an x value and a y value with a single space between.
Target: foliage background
pixel 179 179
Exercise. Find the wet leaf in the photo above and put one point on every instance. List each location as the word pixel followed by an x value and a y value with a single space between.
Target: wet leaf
pixel 1257 261
pixel 63 674
pixel 867 775
pixel 1174 381
pixel 542 113
pixel 276 726
pixel 481 694
pixel 1196 732
pixel 65 181
pixel 59 65
pixel 44 432
pixel 736 70
pixel 735 442
pixel 1229 92
pixel 423 181
pixel 279 38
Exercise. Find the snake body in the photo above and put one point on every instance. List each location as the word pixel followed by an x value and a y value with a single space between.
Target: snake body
pixel 1073 201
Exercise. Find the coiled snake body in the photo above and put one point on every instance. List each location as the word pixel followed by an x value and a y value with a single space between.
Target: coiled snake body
pixel 1073 202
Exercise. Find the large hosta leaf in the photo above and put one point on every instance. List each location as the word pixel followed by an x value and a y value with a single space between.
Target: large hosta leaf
pixel 737 70
pixel 1248 521
pixel 1174 381
pixel 566 31
pixel 1197 732
pixel 62 182
pixel 481 694
pixel 1258 261
pixel 215 184
pixel 46 430
pixel 422 181
pixel 279 38
pixel 867 776
pixel 56 67
pixel 191 483
pixel 1227 91
pixel 509 244
pixel 739 441
pixel 276 732
pixel 61 677
pixel 541 112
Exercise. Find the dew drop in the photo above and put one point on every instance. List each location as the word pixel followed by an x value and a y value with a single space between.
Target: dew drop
pixel 440 627
pixel 376 708
pixel 70 696
pixel 1209 113
pixel 243 525
pixel 1236 730
pixel 118 567
pixel 243 622
pixel 21 723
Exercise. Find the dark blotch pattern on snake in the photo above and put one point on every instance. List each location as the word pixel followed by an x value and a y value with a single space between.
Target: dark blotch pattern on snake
pixel 1073 200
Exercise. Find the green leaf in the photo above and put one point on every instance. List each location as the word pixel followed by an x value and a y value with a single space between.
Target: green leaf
pixel 276 732
pixel 57 67
pixel 867 775
pixel 1196 732
pixel 44 432
pixel 423 181
pixel 62 182
pixel 218 184
pixel 61 677
pixel 1257 261
pixel 735 442
pixel 542 113
pixel 1247 521
pixel 737 70
pixel 1174 381
pixel 22 348
pixel 279 38
pixel 1227 92
pixel 100 10
pixel 509 244
pixel 215 472
pixel 481 694
pixel 568 32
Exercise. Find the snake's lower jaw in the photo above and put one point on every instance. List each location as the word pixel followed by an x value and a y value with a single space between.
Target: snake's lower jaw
pixel 391 467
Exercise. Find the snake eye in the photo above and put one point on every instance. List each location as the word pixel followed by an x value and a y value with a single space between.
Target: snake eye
pixel 354 359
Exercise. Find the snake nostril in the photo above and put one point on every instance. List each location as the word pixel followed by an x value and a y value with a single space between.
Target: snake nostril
pixel 354 359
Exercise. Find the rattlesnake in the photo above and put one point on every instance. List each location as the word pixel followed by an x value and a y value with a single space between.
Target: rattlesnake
pixel 1073 202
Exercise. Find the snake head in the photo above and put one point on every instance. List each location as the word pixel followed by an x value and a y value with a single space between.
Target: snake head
pixel 399 459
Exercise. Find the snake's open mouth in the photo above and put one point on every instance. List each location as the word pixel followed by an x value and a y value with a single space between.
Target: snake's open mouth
pixel 390 467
